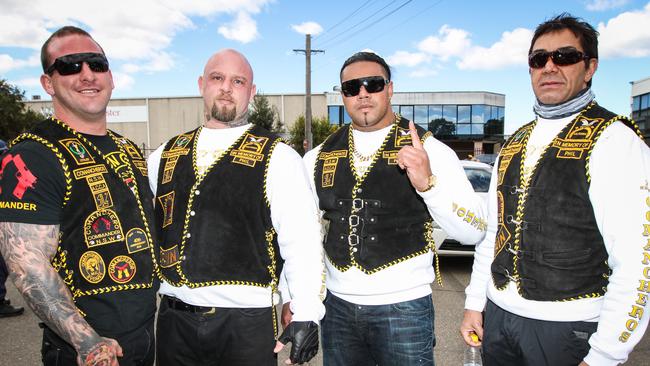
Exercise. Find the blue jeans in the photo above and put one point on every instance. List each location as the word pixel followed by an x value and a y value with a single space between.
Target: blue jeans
pixel 399 334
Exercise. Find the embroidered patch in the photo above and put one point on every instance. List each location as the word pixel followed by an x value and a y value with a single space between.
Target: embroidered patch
pixel 169 257
pixel 92 267
pixel 131 150
pixel 167 206
pixel 331 160
pixel 82 173
pixel 182 141
pixel 136 240
pixel 503 235
pixel 102 227
pixel 390 156
pixel 122 269
pixel 78 151
pixel 250 150
pixel 402 137
pixel 25 178
pixel 100 192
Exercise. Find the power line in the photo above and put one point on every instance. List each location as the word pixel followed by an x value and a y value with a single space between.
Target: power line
pixel 338 35
pixel 344 19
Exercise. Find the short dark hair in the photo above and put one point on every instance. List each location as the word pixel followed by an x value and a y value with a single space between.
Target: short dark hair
pixel 366 56
pixel 587 35
pixel 60 33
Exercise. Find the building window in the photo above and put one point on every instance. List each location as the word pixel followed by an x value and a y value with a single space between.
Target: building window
pixel 464 114
pixel 334 114
pixel 449 113
pixel 421 115
pixel 636 103
pixel 406 111
pixel 645 101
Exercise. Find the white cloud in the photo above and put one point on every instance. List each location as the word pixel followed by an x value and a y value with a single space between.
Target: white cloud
pixel 626 35
pixel 409 59
pixel 122 81
pixel 136 31
pixel 450 42
pixel 27 82
pixel 8 63
pixel 312 28
pixel 242 29
pixel 601 5
pixel 511 49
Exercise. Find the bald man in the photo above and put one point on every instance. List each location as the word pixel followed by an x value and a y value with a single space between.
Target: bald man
pixel 233 208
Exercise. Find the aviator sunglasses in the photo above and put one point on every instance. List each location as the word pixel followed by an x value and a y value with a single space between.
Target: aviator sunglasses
pixel 72 64
pixel 561 57
pixel 373 84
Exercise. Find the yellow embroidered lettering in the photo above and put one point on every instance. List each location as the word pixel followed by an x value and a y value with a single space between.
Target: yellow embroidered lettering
pixel 624 337
pixel 631 325
pixel 646 229
pixel 646 272
pixel 637 312
pixel 469 216
pixel 644 286
pixel 460 212
pixel 646 258
pixel 642 299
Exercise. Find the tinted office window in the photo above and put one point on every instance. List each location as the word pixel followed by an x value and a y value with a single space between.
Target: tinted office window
pixel 464 114
pixel 420 116
pixel 463 129
pixel 477 113
pixel 406 111
pixel 449 112
pixel 636 103
pixel 435 112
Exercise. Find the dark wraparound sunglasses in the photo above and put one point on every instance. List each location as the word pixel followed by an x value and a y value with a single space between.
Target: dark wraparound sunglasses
pixel 73 63
pixel 373 84
pixel 561 57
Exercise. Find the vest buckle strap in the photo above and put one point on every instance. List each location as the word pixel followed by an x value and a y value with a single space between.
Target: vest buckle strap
pixel 511 220
pixel 353 240
pixel 509 276
pixel 357 204
pixel 353 220
pixel 515 190
pixel 516 253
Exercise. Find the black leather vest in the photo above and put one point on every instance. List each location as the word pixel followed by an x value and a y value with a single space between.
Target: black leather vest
pixel 547 240
pixel 216 228
pixel 105 240
pixel 377 220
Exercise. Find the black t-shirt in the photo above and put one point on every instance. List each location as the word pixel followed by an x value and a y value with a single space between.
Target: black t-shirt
pixel 32 188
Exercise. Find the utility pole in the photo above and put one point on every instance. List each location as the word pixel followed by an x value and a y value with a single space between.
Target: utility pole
pixel 308 51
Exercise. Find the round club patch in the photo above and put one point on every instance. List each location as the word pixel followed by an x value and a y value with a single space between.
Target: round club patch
pixel 92 267
pixel 121 269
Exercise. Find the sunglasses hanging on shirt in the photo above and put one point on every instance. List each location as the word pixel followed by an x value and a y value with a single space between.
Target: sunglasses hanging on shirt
pixel 561 57
pixel 73 63
pixel 372 84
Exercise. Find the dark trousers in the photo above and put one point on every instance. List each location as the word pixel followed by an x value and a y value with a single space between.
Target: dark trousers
pixel 512 340
pixel 4 273
pixel 399 334
pixel 138 348
pixel 189 335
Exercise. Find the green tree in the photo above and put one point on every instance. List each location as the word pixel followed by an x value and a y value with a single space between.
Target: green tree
pixel 264 114
pixel 15 117
pixel 320 129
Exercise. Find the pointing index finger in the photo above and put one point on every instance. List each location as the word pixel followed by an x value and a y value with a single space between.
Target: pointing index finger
pixel 417 144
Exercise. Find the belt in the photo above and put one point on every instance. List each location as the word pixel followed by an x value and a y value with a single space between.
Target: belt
pixel 177 304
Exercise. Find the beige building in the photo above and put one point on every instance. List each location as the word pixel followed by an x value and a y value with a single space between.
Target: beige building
pixel 470 122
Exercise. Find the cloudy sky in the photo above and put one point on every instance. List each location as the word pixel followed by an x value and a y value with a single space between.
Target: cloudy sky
pixel 159 47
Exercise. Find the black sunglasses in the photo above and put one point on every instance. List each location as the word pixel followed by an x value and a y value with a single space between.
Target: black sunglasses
pixel 72 64
pixel 561 57
pixel 373 84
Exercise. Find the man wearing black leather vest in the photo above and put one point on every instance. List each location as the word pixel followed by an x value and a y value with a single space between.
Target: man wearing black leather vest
pixel 380 182
pixel 77 219
pixel 563 274
pixel 233 208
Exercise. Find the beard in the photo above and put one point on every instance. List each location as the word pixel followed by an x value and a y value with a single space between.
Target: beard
pixel 224 114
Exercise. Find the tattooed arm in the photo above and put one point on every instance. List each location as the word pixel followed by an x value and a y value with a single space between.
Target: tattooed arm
pixel 28 250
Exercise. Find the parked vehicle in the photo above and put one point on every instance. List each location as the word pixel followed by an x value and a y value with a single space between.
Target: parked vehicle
pixel 479 175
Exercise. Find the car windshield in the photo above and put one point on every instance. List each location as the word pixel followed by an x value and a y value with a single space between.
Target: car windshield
pixel 479 178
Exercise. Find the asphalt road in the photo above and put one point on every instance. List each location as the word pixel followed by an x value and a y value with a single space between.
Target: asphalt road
pixel 20 337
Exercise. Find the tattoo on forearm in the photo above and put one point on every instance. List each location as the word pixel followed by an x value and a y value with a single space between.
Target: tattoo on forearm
pixel 28 250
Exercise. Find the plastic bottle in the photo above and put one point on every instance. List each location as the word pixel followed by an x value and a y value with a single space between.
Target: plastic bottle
pixel 472 356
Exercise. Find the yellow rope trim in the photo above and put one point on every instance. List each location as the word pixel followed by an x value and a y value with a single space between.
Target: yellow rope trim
pixel 266 170
pixel 104 290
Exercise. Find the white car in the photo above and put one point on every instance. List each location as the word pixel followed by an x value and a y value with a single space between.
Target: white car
pixel 479 175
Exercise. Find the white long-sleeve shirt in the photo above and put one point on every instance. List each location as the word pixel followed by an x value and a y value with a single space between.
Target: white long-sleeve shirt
pixel 411 278
pixel 619 193
pixel 294 217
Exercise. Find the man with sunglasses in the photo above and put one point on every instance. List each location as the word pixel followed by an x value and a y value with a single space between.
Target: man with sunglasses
pixel 76 217
pixel 563 274
pixel 379 183
pixel 233 209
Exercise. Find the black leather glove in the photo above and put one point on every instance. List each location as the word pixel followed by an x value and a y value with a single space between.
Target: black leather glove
pixel 304 340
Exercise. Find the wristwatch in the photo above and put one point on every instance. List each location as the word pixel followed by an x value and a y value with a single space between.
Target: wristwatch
pixel 431 182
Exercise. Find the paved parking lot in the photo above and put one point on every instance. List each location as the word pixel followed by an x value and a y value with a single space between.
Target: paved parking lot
pixel 21 337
